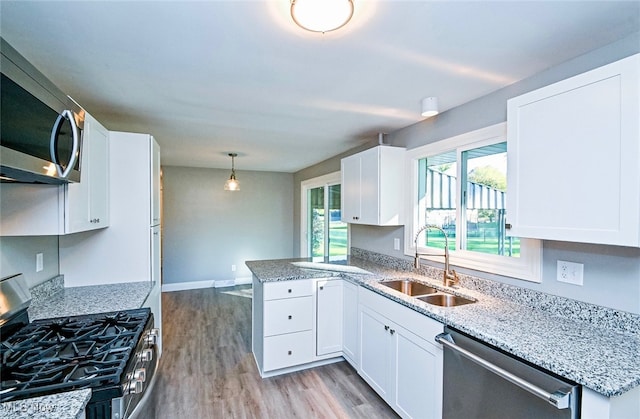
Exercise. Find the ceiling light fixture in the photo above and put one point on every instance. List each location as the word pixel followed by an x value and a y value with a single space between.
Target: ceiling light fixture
pixel 321 15
pixel 430 106
pixel 232 183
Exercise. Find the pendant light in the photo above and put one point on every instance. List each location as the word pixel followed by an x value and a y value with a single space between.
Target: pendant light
pixel 321 15
pixel 232 183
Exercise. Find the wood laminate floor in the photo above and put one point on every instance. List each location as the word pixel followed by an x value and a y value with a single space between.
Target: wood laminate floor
pixel 207 369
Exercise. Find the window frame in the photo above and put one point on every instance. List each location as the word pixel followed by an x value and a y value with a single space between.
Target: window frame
pixel 526 267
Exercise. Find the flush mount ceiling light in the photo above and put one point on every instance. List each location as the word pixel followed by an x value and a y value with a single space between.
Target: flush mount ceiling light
pixel 232 183
pixel 430 106
pixel 321 15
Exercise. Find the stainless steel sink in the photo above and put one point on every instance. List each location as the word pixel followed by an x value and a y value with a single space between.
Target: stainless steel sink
pixel 409 287
pixel 445 300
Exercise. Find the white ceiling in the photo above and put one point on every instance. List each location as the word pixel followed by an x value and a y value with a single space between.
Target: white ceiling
pixel 211 77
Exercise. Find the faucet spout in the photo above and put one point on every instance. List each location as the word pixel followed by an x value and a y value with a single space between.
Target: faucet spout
pixel 450 277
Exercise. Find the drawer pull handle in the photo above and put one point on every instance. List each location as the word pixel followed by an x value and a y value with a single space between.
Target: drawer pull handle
pixel 290 317
pixel 321 288
pixel 289 291
pixel 392 331
pixel 289 353
pixel 386 328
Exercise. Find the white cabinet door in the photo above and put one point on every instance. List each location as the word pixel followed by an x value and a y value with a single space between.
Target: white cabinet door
pixel 329 316
pixel 573 152
pixel 375 354
pixel 350 186
pixel 418 376
pixel 87 202
pixel 372 186
pixel 350 323
pixel 403 364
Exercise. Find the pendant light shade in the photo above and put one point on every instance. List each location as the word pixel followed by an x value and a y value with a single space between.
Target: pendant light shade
pixel 232 183
pixel 321 15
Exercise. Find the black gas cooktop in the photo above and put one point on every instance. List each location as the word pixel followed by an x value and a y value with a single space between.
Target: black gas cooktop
pixel 70 353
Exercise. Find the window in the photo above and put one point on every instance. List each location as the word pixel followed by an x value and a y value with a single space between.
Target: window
pixel 460 187
pixel 323 232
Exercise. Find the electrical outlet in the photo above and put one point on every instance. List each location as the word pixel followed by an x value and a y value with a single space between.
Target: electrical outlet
pixel 233 268
pixel 396 244
pixel 39 262
pixel 570 272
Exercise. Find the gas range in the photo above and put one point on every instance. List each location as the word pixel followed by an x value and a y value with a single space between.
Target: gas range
pixel 113 354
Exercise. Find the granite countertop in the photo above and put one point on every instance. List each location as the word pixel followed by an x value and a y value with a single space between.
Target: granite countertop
pixel 60 302
pixel 68 405
pixel 91 299
pixel 601 356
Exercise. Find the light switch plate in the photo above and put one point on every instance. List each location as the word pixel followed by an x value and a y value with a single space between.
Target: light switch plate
pixel 570 272
pixel 39 262
pixel 396 244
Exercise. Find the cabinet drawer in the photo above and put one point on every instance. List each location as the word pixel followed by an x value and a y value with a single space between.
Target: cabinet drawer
pixel 287 316
pixel 288 350
pixel 288 289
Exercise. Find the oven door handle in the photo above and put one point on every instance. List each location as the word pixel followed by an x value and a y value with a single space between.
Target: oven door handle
pixel 561 398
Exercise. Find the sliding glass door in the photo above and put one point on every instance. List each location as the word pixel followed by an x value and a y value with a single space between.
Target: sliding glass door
pixel 324 235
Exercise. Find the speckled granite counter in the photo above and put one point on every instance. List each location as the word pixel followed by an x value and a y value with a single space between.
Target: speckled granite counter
pixel 53 300
pixel 593 346
pixel 68 405
pixel 91 299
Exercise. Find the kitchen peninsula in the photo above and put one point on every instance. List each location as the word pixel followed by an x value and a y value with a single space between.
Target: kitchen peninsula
pixel 593 346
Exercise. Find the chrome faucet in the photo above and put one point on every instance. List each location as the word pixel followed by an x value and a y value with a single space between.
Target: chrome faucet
pixel 450 277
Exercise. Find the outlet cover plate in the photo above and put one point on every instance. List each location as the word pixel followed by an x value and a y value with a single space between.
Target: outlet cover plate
pixel 570 272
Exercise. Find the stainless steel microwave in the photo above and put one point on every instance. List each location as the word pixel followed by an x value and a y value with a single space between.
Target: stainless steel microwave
pixel 40 127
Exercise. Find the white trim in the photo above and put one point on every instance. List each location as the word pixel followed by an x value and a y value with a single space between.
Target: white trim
pixel 528 266
pixel 195 285
pixel 329 179
pixel 182 286
pixel 221 283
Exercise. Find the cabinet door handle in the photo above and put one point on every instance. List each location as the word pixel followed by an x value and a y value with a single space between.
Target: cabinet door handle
pixel 290 316
pixel 386 328
pixel 321 288
pixel 392 331
pixel 507 226
pixel 289 291
pixel 289 353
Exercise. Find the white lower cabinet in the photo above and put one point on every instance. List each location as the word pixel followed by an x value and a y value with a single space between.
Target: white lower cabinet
pixel 350 346
pixel 329 294
pixel 403 364
pixel 296 324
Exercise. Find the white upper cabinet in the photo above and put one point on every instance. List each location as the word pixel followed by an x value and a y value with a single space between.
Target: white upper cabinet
pixel 42 210
pixel 87 202
pixel 573 153
pixel 372 186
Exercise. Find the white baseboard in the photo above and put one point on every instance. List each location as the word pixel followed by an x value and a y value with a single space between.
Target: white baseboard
pixel 194 285
pixel 182 286
pixel 233 282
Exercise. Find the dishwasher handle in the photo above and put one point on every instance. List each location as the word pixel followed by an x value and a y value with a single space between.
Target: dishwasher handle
pixel 561 398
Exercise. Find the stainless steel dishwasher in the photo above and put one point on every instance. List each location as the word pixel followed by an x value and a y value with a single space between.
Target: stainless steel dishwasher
pixel 483 382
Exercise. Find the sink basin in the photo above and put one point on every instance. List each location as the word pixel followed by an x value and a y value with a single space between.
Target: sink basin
pixel 445 300
pixel 409 287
